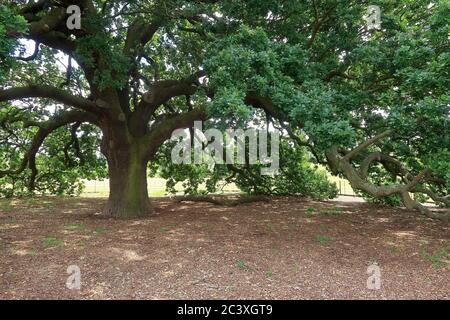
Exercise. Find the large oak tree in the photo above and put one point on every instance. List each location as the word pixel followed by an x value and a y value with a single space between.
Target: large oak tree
pixel 138 70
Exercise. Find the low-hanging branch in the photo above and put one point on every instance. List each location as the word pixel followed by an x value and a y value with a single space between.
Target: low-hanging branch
pixel 222 201
pixel 45 129
pixel 358 177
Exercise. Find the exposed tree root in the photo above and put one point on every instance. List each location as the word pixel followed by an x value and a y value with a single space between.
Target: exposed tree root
pixel 222 201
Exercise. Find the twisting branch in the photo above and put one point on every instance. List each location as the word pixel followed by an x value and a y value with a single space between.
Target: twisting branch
pixel 75 143
pixel 44 91
pixel 366 144
pixel 317 25
pixel 358 177
pixel 68 73
pixel 45 128
pixel 436 198
pixel 33 56
pixel 139 33
pixel 164 90
pixel 390 163
pixel 162 131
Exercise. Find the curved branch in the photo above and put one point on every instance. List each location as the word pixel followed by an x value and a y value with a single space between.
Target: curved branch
pixel 139 33
pixel 396 167
pixel 412 204
pixel 436 198
pixel 161 92
pixel 391 164
pixel 358 177
pixel 44 91
pixel 162 131
pixel 366 144
pixel 46 128
pixel 31 57
pixel 75 143
pixel 164 90
pixel 49 22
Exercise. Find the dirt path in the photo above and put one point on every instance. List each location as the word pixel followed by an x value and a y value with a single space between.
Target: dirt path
pixel 289 248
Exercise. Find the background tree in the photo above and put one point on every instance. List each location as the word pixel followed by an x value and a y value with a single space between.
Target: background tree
pixel 137 70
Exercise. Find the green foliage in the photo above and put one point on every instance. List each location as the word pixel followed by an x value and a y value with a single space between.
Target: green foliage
pixel 439 257
pixel 50 242
pixel 76 227
pixel 100 230
pixel 242 266
pixel 393 200
pixel 296 177
pixel 114 74
pixel 9 22
pixel 333 81
pixel 309 212
pixel 61 168
pixel 332 211
pixel 323 238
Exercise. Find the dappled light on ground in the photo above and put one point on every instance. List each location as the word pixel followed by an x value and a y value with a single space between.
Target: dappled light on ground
pixel 288 248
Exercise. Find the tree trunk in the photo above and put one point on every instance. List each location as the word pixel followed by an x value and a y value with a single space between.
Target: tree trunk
pixel 128 197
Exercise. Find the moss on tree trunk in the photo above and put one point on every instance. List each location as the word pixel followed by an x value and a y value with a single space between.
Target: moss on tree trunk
pixel 128 196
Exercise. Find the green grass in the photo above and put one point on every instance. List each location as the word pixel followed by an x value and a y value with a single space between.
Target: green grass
pixel 439 257
pixel 76 227
pixel 6 206
pixel 241 265
pixel 296 267
pixel 100 230
pixel 50 242
pixel 33 202
pixel 309 212
pixel 271 227
pixel 156 188
pixel 269 273
pixel 333 211
pixel 2 245
pixel 323 238
pixel 395 249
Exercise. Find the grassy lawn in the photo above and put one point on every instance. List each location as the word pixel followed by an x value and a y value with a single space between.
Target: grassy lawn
pixel 156 188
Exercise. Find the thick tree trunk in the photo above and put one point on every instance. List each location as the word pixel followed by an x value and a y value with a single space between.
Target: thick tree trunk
pixel 128 196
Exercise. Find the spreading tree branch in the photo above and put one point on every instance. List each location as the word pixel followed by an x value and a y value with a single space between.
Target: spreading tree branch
pixel 44 91
pixel 162 131
pixel 366 144
pixel 45 129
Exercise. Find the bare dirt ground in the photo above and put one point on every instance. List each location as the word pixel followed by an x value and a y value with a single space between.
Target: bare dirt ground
pixel 289 248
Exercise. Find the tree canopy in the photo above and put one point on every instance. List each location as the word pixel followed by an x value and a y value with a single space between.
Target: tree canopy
pixel 369 104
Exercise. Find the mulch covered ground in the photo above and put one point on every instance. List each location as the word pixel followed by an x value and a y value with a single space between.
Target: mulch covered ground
pixel 289 248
